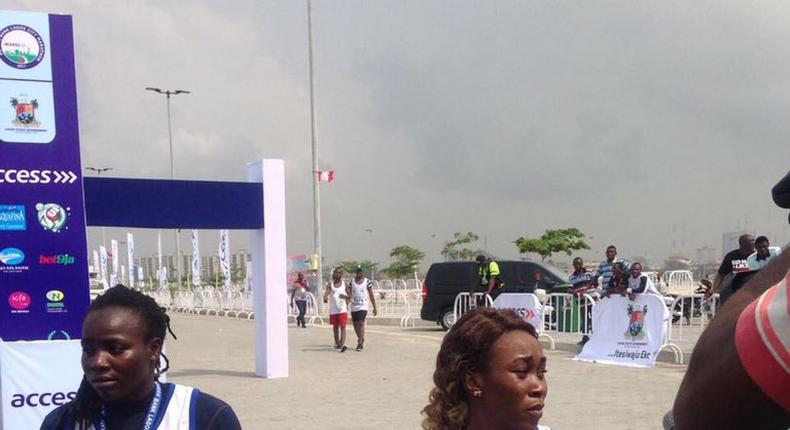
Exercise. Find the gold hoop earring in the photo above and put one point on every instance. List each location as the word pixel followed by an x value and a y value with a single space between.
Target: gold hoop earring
pixel 477 393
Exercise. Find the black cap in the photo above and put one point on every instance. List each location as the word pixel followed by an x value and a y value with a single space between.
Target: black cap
pixel 781 192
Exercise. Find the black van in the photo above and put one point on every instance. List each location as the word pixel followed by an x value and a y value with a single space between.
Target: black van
pixel 445 280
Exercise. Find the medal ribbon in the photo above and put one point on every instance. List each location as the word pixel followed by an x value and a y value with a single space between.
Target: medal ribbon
pixel 150 417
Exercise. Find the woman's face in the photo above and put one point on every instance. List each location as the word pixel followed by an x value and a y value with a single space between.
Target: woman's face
pixel 514 387
pixel 116 359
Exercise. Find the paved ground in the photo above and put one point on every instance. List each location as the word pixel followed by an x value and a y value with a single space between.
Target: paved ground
pixel 387 385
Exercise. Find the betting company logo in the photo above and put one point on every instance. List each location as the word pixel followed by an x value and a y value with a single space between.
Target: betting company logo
pixel 11 260
pixel 55 301
pixel 19 302
pixel 636 326
pixel 62 259
pixel 21 46
pixel 52 216
pixel 12 218
pixel 36 176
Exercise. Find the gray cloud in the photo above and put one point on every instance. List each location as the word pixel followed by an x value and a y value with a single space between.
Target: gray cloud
pixel 503 118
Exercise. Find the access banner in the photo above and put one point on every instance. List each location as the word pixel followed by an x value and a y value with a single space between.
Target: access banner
pixel 627 332
pixel 44 290
pixel 46 374
pixel 526 305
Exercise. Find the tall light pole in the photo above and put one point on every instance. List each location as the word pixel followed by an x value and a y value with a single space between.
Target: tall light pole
pixel 99 171
pixel 169 93
pixel 370 254
pixel 316 197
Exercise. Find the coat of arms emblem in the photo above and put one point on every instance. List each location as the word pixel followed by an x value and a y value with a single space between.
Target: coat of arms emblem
pixel 636 326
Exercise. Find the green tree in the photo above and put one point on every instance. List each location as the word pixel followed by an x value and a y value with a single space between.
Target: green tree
pixel 351 266
pixel 564 240
pixel 407 261
pixel 454 250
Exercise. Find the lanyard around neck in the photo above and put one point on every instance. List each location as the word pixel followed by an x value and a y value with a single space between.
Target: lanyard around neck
pixel 150 417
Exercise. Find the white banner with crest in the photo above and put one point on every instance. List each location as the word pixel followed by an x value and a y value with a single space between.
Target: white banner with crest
pixel 626 332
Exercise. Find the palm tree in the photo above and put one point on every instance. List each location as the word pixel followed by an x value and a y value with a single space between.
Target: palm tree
pixel 34 103
pixel 14 102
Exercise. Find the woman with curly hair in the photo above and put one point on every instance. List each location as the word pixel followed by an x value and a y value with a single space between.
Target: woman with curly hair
pixel 490 374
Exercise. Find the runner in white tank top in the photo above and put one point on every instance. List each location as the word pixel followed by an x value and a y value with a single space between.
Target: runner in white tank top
pixel 360 289
pixel 338 308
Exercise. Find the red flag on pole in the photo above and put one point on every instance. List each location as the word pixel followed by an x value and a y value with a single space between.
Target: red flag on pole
pixel 326 176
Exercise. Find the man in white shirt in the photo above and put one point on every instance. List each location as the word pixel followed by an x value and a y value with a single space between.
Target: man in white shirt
pixel 360 289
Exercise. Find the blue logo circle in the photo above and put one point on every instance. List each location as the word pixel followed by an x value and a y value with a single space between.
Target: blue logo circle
pixel 12 256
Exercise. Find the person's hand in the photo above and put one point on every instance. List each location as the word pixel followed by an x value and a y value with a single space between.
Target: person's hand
pixel 326 300
pixel 375 312
pixel 631 296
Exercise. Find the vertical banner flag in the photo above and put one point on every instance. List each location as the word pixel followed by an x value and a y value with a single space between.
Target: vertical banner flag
pixel 115 257
pixel 96 265
pixel 195 259
pixel 162 278
pixel 224 256
pixel 130 257
pixel 103 265
pixel 159 252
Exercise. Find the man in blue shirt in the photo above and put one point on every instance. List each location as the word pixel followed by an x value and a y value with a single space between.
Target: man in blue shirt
pixel 605 268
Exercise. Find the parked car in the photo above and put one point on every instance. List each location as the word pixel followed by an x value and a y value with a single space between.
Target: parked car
pixel 445 280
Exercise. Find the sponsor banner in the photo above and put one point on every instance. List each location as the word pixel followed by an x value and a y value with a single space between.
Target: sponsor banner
pixel 195 258
pixel 626 332
pixel 224 256
pixel 526 305
pixel 130 257
pixel 115 257
pixel 37 377
pixel 162 278
pixel 43 245
pixel 103 265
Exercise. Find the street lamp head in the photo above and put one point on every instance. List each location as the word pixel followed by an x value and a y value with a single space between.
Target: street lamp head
pixel 156 90
pixel 180 92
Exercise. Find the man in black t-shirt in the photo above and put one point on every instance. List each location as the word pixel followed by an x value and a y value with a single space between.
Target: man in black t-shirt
pixel 735 262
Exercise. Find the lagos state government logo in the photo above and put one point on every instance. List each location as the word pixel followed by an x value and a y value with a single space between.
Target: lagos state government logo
pixel 636 326
pixel 21 47
pixel 25 112
pixel 52 216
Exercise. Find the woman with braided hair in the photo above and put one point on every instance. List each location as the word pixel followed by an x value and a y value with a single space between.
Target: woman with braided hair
pixel 490 374
pixel 122 338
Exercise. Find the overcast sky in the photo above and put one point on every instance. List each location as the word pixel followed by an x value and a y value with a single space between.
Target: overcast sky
pixel 504 118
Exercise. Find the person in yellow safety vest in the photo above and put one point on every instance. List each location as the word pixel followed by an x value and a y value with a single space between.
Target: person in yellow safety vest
pixel 488 276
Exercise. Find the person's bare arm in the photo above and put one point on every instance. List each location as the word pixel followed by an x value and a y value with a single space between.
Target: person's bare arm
pixel 717 284
pixel 372 300
pixel 326 293
pixel 491 283
pixel 716 391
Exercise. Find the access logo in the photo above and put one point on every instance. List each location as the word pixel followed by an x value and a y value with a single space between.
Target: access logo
pixel 52 216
